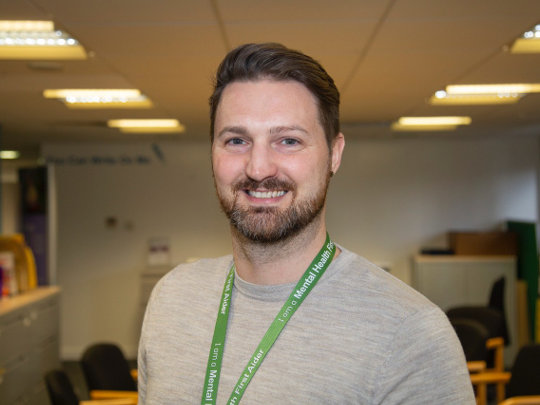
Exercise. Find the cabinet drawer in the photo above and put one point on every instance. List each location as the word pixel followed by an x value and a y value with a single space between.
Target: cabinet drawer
pixel 15 336
pixel 44 320
pixel 16 377
pixel 38 395
pixel 47 355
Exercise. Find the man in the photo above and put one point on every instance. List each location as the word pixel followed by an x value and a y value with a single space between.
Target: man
pixel 290 317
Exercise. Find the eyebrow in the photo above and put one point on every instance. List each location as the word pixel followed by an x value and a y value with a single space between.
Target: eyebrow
pixel 234 129
pixel 280 129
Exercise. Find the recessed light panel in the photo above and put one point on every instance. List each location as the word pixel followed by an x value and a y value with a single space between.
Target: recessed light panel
pixel 9 154
pixel 529 42
pixel 442 123
pixel 441 97
pixel 443 120
pixel 500 89
pixel 147 125
pixel 99 98
pixel 37 40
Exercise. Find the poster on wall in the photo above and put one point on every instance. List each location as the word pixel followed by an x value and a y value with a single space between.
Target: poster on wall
pixel 33 183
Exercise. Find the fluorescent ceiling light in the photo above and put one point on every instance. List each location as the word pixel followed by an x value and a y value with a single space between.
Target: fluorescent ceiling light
pixel 147 125
pixel 434 120
pixel 409 128
pixel 505 93
pixel 143 123
pixel 153 130
pixel 441 97
pixel 529 42
pixel 430 123
pixel 9 154
pixel 503 89
pixel 26 26
pixel 99 98
pixel 37 40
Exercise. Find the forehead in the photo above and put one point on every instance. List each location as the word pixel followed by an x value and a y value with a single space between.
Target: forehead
pixel 263 98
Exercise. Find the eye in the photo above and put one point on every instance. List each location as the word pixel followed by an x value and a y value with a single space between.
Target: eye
pixel 290 141
pixel 235 141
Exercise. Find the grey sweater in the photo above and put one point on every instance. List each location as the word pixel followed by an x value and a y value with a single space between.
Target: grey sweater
pixel 360 337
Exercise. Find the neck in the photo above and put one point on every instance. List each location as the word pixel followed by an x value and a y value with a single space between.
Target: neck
pixel 281 262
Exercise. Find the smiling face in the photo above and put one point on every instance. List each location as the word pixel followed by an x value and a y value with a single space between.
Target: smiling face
pixel 270 158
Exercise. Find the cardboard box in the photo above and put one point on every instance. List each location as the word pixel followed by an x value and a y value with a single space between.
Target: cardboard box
pixel 483 243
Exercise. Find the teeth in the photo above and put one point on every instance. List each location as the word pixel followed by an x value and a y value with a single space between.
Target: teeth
pixel 266 194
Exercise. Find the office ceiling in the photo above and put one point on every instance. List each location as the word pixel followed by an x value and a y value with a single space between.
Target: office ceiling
pixel 386 56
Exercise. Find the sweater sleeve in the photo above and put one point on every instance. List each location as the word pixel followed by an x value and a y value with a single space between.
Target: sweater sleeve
pixel 425 364
pixel 142 369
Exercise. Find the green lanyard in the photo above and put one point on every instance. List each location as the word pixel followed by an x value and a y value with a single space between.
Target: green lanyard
pixel 301 290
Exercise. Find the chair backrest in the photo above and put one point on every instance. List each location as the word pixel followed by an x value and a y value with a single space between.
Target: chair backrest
pixel 496 301
pixel 492 319
pixel 60 388
pixel 525 378
pixel 105 368
pixel 473 336
pixel 496 296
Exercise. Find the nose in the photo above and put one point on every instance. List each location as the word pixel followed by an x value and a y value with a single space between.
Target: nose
pixel 261 164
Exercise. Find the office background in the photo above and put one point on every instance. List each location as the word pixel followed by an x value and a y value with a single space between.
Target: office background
pixel 394 194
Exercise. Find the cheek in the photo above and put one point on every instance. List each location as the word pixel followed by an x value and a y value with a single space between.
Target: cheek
pixel 226 169
pixel 308 171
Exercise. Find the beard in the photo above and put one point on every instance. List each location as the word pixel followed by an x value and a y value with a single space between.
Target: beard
pixel 267 225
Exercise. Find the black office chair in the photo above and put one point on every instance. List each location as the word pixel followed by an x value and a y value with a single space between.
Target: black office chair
pixel 494 323
pixel 496 301
pixel 105 368
pixel 525 379
pixel 490 318
pixel 473 337
pixel 60 388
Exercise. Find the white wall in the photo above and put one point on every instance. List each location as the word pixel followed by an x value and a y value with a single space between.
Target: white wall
pixel 390 198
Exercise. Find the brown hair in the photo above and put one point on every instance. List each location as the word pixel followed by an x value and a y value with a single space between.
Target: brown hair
pixel 275 61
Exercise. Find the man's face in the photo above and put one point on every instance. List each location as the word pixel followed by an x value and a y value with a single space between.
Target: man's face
pixel 270 158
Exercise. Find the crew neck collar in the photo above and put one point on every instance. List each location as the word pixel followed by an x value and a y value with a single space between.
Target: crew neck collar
pixel 280 292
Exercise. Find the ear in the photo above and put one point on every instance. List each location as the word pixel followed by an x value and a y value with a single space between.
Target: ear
pixel 337 151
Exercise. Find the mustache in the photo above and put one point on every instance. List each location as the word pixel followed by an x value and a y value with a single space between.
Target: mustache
pixel 270 184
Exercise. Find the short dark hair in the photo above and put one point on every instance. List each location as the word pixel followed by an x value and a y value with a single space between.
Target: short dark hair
pixel 277 62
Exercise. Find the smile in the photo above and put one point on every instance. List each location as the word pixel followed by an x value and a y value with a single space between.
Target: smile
pixel 265 194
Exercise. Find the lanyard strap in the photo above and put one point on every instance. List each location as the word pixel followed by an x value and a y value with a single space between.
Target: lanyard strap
pixel 213 369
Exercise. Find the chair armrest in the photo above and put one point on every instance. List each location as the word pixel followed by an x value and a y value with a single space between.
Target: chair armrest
pixel 489 377
pixel 117 401
pixel 110 394
pixel 497 345
pixel 476 366
pixel 528 400
pixel 492 343
pixel 481 381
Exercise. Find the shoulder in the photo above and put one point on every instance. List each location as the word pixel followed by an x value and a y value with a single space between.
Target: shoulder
pixel 373 287
pixel 413 335
pixel 190 280
pixel 199 269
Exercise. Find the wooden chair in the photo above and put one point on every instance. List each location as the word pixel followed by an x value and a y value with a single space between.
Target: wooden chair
pixel 523 383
